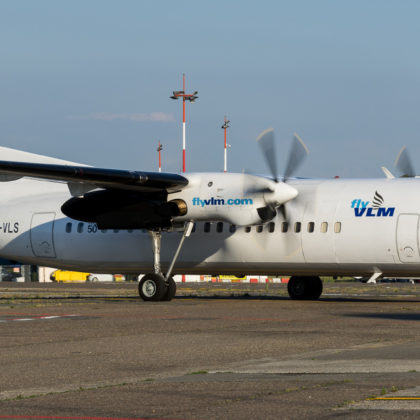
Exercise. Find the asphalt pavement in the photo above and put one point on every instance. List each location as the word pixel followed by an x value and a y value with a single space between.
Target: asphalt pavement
pixel 96 351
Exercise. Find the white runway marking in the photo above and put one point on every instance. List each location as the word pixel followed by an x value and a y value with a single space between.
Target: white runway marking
pixel 37 318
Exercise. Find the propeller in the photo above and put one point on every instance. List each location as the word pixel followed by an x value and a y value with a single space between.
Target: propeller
pixel 403 164
pixel 274 191
pixel 297 155
pixel 266 142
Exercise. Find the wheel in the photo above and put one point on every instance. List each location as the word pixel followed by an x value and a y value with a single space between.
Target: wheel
pixel 315 292
pixel 304 288
pixel 152 287
pixel 296 287
pixel 171 290
pixel 94 279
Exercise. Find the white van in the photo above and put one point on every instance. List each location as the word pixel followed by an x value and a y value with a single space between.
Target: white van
pixel 94 277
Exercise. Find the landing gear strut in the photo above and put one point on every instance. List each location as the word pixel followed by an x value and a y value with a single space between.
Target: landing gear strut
pixel 304 288
pixel 156 286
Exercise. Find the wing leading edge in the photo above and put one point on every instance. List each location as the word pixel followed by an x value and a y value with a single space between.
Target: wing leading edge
pixel 99 177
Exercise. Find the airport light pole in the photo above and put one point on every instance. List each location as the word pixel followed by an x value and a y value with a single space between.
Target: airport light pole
pixel 185 97
pixel 225 126
pixel 159 150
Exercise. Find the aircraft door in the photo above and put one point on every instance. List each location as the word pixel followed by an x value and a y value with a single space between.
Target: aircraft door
pixel 407 238
pixel 42 227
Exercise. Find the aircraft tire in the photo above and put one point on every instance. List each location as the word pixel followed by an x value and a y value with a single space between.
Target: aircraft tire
pixel 171 290
pixel 315 288
pixel 304 288
pixel 152 287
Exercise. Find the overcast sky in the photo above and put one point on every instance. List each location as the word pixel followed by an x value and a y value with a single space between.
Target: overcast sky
pixel 90 81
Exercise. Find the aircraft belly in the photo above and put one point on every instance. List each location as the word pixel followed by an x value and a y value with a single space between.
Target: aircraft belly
pixel 253 248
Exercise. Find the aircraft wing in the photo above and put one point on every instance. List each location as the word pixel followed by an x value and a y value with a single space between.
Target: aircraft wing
pixel 92 177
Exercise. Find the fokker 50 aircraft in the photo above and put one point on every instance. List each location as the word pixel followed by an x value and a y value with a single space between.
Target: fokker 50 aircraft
pixel 61 214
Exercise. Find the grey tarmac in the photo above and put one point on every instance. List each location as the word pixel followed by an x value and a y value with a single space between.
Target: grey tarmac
pixel 216 351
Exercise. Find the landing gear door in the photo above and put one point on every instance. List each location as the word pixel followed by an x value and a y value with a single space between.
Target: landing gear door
pixel 42 228
pixel 407 238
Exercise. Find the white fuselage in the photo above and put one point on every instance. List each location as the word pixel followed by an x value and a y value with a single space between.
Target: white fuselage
pixel 341 233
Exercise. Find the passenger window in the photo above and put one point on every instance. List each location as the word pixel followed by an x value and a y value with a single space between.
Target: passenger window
pixel 259 228
pixel 232 229
pixel 116 230
pixel 80 228
pixel 324 227
pixel 104 230
pixel 297 227
pixel 219 227
pixel 337 227
pixel 248 229
pixel 284 227
pixel 311 227
pixel 207 227
pixel 271 227
pixel 130 230
pixel 68 227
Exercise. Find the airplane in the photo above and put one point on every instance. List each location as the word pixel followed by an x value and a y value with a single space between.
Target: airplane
pixel 77 217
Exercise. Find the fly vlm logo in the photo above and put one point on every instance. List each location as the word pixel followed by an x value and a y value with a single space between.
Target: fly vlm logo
pixel 376 209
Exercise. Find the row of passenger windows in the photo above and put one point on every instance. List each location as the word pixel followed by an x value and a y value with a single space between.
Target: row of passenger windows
pixel 91 228
pixel 270 227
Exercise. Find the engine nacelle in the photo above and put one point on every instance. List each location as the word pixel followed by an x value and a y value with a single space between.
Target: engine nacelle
pixel 239 199
pixel 124 209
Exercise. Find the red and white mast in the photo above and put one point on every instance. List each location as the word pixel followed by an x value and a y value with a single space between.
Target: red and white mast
pixel 185 97
pixel 225 126
pixel 183 123
pixel 159 150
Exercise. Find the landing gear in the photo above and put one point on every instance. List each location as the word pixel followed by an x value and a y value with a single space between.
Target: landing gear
pixel 155 286
pixel 304 288
pixel 171 290
pixel 152 287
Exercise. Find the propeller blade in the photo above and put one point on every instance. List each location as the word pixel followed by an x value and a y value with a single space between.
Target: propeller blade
pixel 297 154
pixel 403 164
pixel 282 210
pixel 266 142
pixel 258 190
